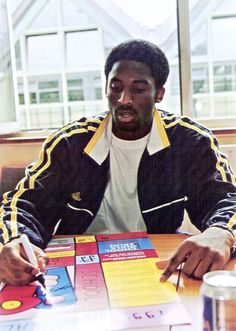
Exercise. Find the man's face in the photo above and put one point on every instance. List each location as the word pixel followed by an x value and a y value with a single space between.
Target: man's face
pixel 131 94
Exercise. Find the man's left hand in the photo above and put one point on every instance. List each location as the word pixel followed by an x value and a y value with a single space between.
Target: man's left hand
pixel 201 253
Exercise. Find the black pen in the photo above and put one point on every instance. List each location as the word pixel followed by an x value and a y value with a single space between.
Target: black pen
pixel 179 274
pixel 32 257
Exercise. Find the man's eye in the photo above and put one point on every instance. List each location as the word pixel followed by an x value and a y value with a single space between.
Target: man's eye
pixel 139 90
pixel 115 87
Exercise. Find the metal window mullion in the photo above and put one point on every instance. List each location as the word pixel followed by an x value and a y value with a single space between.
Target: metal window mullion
pixel 62 36
pixel 210 66
pixel 23 51
pixel 64 95
pixel 186 99
pixel 234 76
pixel 103 78
pixel 13 62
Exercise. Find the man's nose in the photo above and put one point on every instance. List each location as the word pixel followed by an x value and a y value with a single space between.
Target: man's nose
pixel 125 98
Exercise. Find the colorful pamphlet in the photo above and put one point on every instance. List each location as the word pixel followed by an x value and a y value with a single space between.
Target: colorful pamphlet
pixel 103 282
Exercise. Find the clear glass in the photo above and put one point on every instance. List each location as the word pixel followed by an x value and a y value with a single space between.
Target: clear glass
pixel 84 51
pixel 7 105
pixel 156 22
pixel 213 57
pixel 70 40
pixel 18 56
pixel 49 9
pixel 44 89
pixel 47 45
pixel 87 109
pixel 75 89
pixel 222 29
pixel 47 117
pixel 73 15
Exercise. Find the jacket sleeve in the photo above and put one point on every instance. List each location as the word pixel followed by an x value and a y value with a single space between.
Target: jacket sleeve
pixel 34 206
pixel 210 186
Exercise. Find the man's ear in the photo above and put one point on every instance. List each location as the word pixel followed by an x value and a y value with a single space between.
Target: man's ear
pixel 160 94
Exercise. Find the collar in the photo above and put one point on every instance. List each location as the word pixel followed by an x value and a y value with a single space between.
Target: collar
pixel 99 145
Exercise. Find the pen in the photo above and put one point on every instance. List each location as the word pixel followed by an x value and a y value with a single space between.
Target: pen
pixel 31 257
pixel 2 285
pixel 179 274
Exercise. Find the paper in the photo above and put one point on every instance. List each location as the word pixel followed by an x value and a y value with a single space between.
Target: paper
pixel 110 281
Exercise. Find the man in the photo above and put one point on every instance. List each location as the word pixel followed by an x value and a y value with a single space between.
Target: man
pixel 133 168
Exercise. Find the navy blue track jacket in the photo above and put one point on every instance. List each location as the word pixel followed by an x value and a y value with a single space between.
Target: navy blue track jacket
pixel 181 168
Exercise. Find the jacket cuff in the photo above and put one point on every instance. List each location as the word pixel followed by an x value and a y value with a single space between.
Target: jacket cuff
pixel 224 227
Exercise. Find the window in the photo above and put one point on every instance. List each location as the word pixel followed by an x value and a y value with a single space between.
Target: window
pixel 7 105
pixel 18 56
pixel 75 90
pixel 97 88
pixel 98 93
pixel 221 29
pixel 72 41
pixel 21 99
pixel 213 68
pixel 200 79
pixel 223 78
pixel 47 46
pixel 49 92
pixel 88 53
pixel 60 49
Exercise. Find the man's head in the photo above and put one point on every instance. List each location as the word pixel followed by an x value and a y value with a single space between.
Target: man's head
pixel 141 51
pixel 135 74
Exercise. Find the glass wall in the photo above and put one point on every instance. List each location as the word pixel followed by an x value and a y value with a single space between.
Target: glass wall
pixel 213 58
pixel 7 104
pixel 61 45
pixel 60 49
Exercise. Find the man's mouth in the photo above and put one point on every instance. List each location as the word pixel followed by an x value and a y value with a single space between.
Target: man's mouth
pixel 125 115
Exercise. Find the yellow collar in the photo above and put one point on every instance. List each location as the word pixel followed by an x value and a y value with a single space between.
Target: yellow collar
pixel 99 145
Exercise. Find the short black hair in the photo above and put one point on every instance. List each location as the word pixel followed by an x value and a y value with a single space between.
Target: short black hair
pixel 141 51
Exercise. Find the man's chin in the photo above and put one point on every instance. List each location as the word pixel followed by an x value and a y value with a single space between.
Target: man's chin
pixel 127 127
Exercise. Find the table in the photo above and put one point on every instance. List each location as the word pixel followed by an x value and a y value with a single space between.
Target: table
pixel 166 245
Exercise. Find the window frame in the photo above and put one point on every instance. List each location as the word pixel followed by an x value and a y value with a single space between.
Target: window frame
pixel 186 91
pixel 24 74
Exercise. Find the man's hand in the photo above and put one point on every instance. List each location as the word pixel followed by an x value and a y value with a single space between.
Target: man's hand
pixel 201 253
pixel 14 267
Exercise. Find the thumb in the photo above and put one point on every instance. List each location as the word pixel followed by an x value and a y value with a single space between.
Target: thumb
pixel 41 258
pixel 42 261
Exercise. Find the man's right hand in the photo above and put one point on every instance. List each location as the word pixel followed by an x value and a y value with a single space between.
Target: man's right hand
pixel 14 266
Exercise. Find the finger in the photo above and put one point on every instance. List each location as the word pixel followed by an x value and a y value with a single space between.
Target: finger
pixel 217 263
pixel 14 269
pixel 23 280
pixel 172 266
pixel 180 256
pixel 42 258
pixel 206 261
pixel 162 264
pixel 43 261
pixel 204 265
pixel 201 269
pixel 192 262
pixel 23 265
pixel 20 270
pixel 16 277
